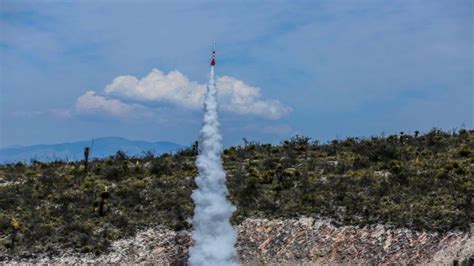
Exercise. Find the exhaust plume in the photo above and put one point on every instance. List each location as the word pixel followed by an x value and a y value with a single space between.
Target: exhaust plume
pixel 213 235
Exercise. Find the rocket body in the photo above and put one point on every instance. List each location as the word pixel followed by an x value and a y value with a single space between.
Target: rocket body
pixel 213 59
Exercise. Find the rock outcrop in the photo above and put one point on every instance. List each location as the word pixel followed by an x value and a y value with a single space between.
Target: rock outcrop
pixel 290 241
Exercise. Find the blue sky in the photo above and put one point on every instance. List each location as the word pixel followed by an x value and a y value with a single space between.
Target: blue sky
pixel 74 70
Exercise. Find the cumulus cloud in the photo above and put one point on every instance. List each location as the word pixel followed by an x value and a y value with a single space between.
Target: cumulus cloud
pixel 238 97
pixel 90 102
pixel 173 87
pixel 234 95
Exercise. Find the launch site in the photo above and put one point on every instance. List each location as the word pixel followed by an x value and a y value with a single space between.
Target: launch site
pixel 236 132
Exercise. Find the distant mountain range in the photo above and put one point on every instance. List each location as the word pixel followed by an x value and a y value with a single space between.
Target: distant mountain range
pixel 102 147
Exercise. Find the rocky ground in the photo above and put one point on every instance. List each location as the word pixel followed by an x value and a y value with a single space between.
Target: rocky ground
pixel 290 241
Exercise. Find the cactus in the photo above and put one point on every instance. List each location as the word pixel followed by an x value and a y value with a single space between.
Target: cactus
pixel 86 157
pixel 104 196
pixel 195 148
pixel 101 202
pixel 16 226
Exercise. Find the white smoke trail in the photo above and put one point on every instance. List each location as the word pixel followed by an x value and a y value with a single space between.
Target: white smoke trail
pixel 213 235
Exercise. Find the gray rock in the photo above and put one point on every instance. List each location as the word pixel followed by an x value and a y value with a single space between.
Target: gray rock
pixel 303 241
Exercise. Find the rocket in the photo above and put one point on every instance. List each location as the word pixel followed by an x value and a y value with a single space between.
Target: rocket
pixel 213 59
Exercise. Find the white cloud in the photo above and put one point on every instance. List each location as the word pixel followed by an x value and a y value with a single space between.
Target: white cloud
pixel 173 87
pixel 238 97
pixel 57 113
pixel 90 103
pixel 234 95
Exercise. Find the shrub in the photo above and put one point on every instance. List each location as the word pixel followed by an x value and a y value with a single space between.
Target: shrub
pixel 113 173
pixel 120 156
pixel 465 151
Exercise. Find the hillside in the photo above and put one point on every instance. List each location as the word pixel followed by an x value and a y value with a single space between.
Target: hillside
pixel 420 182
pixel 303 241
pixel 101 148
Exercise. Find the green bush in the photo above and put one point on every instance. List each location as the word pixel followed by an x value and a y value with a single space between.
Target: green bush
pixel 465 151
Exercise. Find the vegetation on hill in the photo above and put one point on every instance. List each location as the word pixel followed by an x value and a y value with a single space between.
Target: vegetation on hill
pixel 422 182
